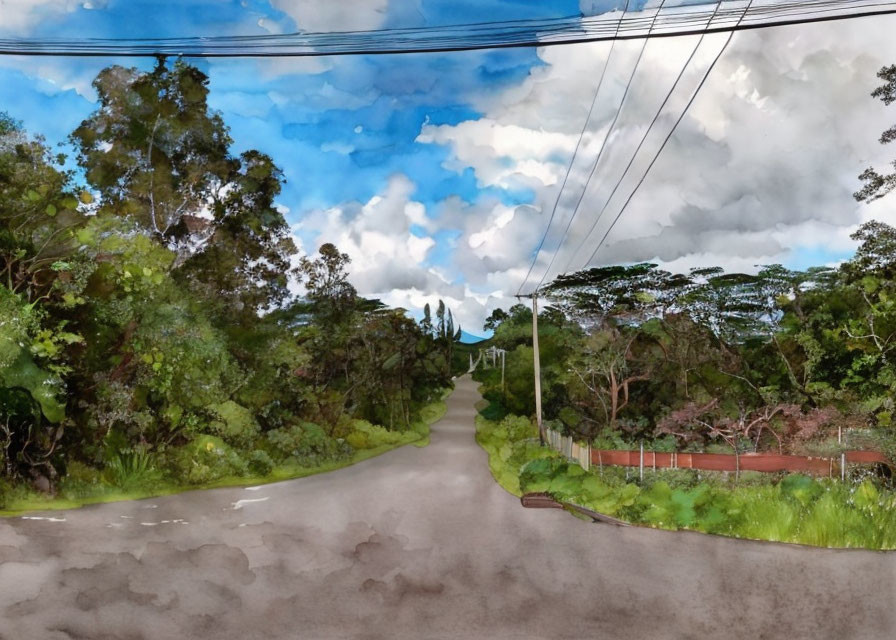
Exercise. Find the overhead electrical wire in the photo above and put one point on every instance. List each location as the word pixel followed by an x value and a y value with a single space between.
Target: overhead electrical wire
pixel 633 158
pixel 572 161
pixel 660 150
pixel 673 21
pixel 604 145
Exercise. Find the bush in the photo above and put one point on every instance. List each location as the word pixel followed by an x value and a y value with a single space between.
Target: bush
pixel 131 469
pixel 206 459
pixel 260 463
pixel 370 436
pixel 80 481
pixel 234 423
pixel 307 444
pixel 358 440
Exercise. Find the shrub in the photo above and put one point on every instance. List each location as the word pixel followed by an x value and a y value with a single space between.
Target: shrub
pixel 358 440
pixel 260 463
pixel 80 481
pixel 207 459
pixel 234 423
pixel 307 444
pixel 131 469
pixel 370 436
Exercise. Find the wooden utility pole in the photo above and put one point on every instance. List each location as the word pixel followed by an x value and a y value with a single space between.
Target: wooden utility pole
pixel 503 386
pixel 537 363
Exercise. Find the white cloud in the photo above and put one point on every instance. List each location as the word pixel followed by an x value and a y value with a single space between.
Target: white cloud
pixel 504 155
pixel 377 237
pixel 390 262
pixel 17 16
pixel 765 163
pixel 332 15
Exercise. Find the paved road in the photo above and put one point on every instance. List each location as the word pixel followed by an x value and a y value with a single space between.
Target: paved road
pixel 418 543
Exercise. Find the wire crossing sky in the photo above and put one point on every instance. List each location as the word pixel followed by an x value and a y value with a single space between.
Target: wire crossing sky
pixel 438 173
pixel 673 19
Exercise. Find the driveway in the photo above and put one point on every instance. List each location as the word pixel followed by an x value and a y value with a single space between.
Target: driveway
pixel 417 543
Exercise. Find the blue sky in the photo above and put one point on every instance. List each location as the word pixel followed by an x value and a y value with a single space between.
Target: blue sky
pixel 436 172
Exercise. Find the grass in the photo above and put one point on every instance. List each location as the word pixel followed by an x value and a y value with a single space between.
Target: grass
pixel 21 500
pixel 785 508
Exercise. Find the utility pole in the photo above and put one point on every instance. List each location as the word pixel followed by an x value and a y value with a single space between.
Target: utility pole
pixel 503 386
pixel 537 363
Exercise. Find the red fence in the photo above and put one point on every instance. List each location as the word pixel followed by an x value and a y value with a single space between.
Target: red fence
pixel 725 462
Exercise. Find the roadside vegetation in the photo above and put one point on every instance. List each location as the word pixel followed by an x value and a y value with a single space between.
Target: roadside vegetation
pixel 151 333
pixel 793 362
pixel 782 508
pixel 784 361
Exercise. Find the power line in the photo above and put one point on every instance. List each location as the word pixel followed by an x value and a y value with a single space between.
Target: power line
pixel 672 21
pixel 601 153
pixel 635 154
pixel 572 161
pixel 660 151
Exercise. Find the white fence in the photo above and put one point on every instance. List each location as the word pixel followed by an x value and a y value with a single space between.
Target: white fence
pixel 578 453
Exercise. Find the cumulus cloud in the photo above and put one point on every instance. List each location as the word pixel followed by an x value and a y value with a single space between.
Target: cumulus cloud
pixel 377 236
pixel 327 15
pixel 19 15
pixel 763 165
pixel 390 240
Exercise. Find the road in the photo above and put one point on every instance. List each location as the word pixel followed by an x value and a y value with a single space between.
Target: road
pixel 417 543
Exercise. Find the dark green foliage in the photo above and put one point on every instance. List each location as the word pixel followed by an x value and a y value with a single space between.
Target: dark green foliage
pixel 778 361
pixel 306 444
pixel 148 332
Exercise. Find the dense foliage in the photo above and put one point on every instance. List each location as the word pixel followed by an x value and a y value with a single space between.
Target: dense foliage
pixel 148 325
pixel 782 360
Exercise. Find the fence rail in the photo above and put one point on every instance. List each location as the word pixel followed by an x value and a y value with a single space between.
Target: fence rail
pixel 586 457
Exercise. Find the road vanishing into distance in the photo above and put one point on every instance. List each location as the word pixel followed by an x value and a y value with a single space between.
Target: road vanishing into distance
pixel 417 543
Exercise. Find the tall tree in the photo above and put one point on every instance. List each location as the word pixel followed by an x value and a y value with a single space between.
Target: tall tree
pixel 877 185
pixel 152 148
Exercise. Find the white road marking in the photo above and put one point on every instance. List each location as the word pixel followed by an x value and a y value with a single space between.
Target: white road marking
pixel 239 503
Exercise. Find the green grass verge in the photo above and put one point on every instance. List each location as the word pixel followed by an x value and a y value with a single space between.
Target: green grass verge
pixel 791 508
pixel 22 501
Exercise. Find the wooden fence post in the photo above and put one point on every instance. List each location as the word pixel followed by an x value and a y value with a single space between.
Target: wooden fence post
pixel 641 465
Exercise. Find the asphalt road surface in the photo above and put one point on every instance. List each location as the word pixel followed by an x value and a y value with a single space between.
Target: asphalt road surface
pixel 417 543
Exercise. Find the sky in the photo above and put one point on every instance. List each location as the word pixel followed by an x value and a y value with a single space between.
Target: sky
pixel 438 173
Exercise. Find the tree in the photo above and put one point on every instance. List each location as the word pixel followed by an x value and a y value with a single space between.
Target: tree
pixel 876 255
pixel 245 262
pixel 39 214
pixel 326 283
pixel 159 156
pixel 877 185
pixel 607 368
pixel 494 319
pixel 153 149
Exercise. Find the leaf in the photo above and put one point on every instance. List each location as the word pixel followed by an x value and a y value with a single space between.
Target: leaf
pixel 40 384
pixel 69 202
pixel 391 361
pixel 866 496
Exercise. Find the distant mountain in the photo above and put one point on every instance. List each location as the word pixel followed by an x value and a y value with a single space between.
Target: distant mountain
pixel 469 338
